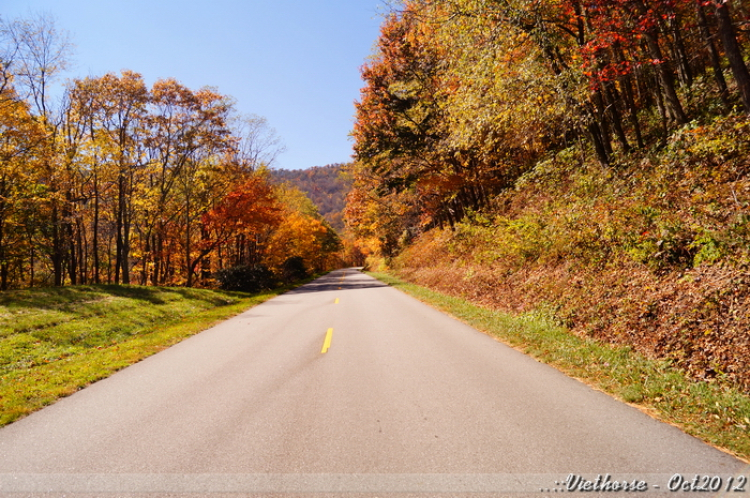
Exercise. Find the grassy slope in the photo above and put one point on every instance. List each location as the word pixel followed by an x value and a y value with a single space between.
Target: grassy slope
pixel 717 414
pixel 55 341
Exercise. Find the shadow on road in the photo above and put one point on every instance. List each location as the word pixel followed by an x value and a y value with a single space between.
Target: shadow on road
pixel 333 281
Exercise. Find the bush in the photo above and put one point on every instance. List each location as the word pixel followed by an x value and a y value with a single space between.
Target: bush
pixel 246 278
pixel 293 269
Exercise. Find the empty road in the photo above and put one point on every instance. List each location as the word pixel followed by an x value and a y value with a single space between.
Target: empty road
pixel 347 387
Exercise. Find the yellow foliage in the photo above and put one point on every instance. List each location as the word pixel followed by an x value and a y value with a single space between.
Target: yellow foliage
pixel 297 235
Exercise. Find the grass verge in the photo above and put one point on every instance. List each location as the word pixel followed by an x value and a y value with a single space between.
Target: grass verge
pixel 715 413
pixel 55 341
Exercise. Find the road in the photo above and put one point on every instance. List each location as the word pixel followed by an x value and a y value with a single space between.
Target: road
pixel 345 387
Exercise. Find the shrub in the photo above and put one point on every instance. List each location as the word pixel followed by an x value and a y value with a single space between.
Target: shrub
pixel 293 269
pixel 246 278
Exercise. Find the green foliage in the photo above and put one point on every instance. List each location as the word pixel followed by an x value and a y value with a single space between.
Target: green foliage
pixel 708 249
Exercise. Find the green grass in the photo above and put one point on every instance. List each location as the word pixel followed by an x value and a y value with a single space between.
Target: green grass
pixel 55 341
pixel 712 412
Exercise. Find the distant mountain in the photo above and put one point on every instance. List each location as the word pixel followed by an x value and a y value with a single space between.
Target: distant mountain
pixel 324 185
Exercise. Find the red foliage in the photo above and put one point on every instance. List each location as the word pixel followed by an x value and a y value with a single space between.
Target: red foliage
pixel 248 208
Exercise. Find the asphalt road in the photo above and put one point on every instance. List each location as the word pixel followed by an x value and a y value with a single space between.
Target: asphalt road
pixel 347 387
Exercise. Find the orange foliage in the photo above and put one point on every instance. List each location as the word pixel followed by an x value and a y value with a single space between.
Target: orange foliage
pixel 248 209
pixel 296 235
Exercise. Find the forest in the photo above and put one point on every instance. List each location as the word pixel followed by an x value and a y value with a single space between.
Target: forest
pixel 587 161
pixel 327 186
pixel 111 181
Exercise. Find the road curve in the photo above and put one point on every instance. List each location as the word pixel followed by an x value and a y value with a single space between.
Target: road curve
pixel 347 387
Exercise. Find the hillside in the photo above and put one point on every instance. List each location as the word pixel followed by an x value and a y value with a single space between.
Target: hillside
pixel 653 254
pixel 326 187
pixel 544 160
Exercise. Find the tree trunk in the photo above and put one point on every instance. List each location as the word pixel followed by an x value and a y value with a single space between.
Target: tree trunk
pixel 126 225
pixel 663 69
pixel 156 243
pixel 600 119
pixel 596 138
pixel 4 280
pixel 611 98
pixel 713 54
pixel 58 251
pixel 73 260
pixel 4 275
pixel 146 259
pixel 95 239
pixel 188 267
pixel 118 228
pixel 31 261
pixel 666 80
pixel 680 53
pixel 632 109
pixel 734 53
pixel 82 253
pixel 206 261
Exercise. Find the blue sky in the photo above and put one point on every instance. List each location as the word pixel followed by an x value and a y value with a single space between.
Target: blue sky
pixel 294 62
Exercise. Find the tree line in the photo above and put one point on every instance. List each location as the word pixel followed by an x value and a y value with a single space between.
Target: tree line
pixel 462 97
pixel 116 182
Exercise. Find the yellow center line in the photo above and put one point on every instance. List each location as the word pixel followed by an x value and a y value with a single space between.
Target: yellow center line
pixel 327 342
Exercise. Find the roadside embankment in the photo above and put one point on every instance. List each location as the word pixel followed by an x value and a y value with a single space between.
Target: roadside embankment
pixel 55 341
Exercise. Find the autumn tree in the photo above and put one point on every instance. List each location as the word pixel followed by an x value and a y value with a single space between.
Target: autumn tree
pixel 301 233
pixel 727 34
pixel 327 186
pixel 250 209
pixel 447 113
pixel 463 97
pixel 20 140
pixel 122 109
pixel 120 183
pixel 34 52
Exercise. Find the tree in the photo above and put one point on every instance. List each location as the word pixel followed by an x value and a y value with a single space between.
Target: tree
pixel 246 211
pixel 301 233
pixel 121 104
pixel 326 186
pixel 464 97
pixel 116 181
pixel 20 137
pixel 733 51
pixel 35 52
pixel 257 143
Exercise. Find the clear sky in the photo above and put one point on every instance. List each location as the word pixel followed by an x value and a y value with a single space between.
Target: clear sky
pixel 294 62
